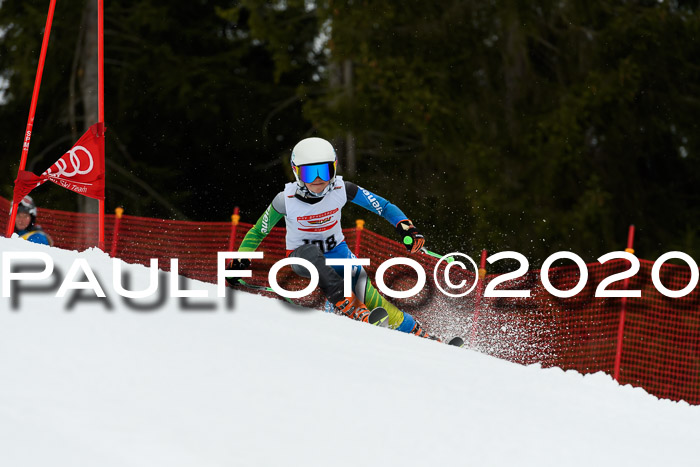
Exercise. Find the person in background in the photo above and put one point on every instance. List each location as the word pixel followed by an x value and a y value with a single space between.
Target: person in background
pixel 25 223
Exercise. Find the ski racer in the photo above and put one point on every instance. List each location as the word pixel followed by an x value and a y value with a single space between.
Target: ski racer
pixel 311 207
pixel 25 223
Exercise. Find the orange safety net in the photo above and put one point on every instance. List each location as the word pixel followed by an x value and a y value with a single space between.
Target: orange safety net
pixel 660 347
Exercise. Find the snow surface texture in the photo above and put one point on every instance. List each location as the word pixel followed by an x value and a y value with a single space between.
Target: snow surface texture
pixel 265 384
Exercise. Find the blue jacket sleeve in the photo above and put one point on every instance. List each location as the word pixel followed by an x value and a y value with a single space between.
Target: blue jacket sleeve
pixel 375 203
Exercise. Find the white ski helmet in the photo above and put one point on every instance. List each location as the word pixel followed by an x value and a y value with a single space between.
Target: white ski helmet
pixel 27 205
pixel 319 158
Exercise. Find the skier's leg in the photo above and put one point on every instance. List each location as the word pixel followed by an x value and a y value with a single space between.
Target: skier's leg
pixel 366 293
pixel 399 320
pixel 330 283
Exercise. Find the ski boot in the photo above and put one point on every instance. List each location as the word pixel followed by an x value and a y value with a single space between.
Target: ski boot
pixel 418 331
pixel 353 309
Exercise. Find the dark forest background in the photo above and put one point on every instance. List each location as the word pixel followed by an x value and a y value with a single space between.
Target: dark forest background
pixel 529 126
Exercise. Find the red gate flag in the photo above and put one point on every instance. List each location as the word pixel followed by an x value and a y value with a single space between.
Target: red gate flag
pixel 81 169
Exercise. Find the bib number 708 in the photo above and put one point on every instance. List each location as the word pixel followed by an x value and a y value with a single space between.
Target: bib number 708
pixel 325 245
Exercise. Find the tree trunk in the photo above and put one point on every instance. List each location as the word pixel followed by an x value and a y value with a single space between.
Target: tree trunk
pixel 351 159
pixel 340 77
pixel 88 84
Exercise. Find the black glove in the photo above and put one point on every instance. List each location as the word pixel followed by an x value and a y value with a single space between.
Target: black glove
pixel 410 237
pixel 236 265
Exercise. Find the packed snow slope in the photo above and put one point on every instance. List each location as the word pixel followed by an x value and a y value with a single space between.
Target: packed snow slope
pixel 265 384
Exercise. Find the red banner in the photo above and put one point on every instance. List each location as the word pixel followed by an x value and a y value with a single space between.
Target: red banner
pixel 81 169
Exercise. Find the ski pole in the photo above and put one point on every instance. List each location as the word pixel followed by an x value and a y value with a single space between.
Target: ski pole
pixel 436 255
pixel 263 288
pixel 408 240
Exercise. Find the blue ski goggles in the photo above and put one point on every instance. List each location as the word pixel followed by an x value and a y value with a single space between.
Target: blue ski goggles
pixel 308 173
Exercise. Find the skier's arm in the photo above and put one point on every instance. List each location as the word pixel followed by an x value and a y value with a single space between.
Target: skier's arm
pixel 272 215
pixel 374 203
pixel 411 238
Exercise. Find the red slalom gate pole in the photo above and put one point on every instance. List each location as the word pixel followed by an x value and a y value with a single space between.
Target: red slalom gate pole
pixel 101 107
pixel 115 237
pixel 32 108
pixel 359 227
pixel 477 297
pixel 623 310
pixel 235 218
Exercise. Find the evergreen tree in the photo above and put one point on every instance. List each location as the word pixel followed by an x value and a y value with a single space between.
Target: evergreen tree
pixel 529 126
pixel 197 114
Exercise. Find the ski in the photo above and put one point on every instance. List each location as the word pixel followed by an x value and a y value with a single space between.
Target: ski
pixel 456 341
pixel 379 317
pixel 264 288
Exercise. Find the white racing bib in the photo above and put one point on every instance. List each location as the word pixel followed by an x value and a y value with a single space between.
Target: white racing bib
pixel 317 223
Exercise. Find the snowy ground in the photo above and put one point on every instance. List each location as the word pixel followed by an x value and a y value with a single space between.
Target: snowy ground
pixel 264 384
